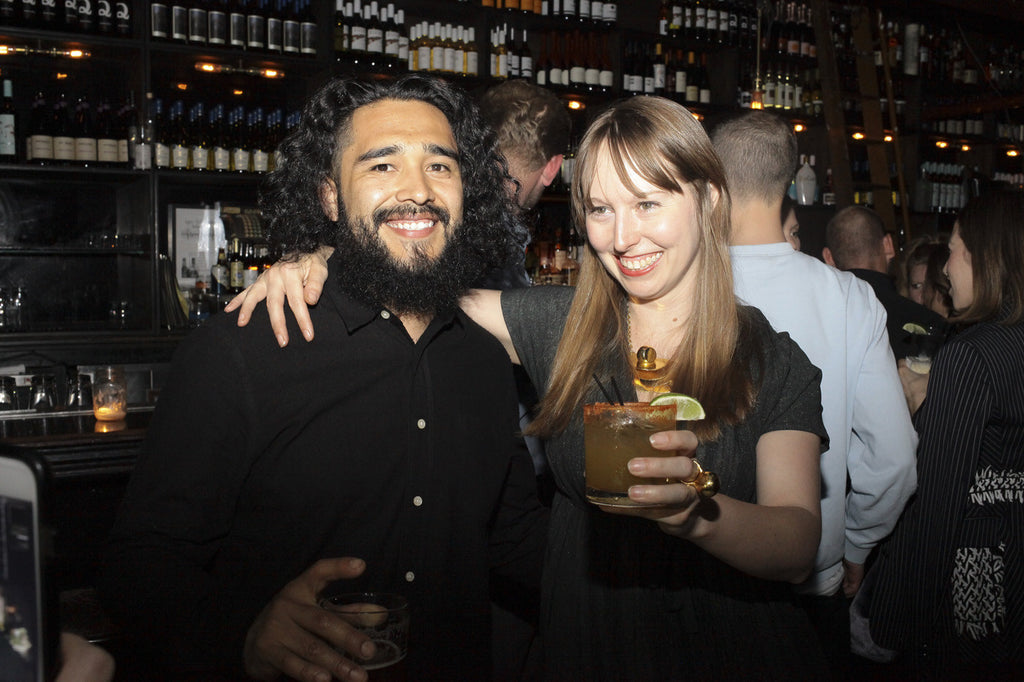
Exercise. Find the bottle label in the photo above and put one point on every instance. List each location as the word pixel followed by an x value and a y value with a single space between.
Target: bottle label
pixel 680 81
pixel 375 41
pixel 7 141
pixel 236 276
pixel 606 78
pixel 240 160
pixel 143 157
pixel 197 25
pixel 85 149
pixel 161 155
pixel 64 148
pixel 221 159
pixel 107 150
pixel 179 23
pixel 526 67
pixel 307 38
pixel 592 77
pixel 218 27
pixel 260 161
pixel 359 44
pixel 257 26
pixel 237 26
pixel 275 34
pixel 659 76
pixel 160 20
pixel 179 156
pixel 291 36
pixel 611 12
pixel 200 157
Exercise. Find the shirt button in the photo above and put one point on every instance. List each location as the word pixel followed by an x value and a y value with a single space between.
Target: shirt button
pixel 410 576
pixel 421 423
pixel 417 501
pixel 385 314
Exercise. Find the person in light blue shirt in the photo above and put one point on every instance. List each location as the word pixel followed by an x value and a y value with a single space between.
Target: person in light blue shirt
pixel 841 326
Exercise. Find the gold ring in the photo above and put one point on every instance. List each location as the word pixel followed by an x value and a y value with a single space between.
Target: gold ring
pixel 704 482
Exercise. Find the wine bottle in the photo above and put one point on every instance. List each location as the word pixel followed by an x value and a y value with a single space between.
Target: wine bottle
pixel 179 22
pixel 161 148
pixel 307 30
pixel 85 133
pixel 159 20
pixel 123 19
pixel 8 126
pixel 260 151
pixel 238 25
pixel 63 136
pixel 256 27
pixel 218 133
pixel 275 28
pixel 178 137
pixel 104 17
pixel 106 135
pixel 40 133
pixel 198 23
pixel 199 137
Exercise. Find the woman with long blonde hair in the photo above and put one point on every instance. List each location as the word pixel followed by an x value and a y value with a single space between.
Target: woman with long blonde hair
pixel 682 586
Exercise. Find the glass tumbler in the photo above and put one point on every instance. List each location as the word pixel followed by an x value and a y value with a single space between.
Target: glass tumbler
pixel 109 394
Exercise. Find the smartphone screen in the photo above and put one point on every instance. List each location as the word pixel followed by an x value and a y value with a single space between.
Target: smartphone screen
pixel 21 591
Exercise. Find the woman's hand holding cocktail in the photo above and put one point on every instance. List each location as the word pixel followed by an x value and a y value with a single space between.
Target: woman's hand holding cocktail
pixel 671 505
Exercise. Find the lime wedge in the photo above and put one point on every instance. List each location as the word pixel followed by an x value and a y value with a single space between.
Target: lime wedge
pixel 687 408
pixel 914 328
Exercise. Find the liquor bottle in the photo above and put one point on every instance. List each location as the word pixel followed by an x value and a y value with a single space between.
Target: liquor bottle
pixel 220 277
pixel 659 68
pixel 554 78
pixel 255 27
pixel 69 15
pixel 9 12
pixel 217 24
pixel 472 53
pixel 700 19
pixel 404 40
pixel 307 30
pixel 221 149
pixel 238 25
pixel 236 267
pixel 611 14
pixel 39 148
pixel 104 17
pixel 664 19
pixel 199 136
pixel 177 137
pixel 357 44
pixel 391 38
pixel 711 21
pixel 704 82
pixel 63 135
pixel 85 133
pixel 605 75
pixel 260 151
pixel 8 126
pixel 122 18
pixel 806 181
pixel 161 148
pixel 293 30
pixel 679 77
pixel 526 69
pixel 792 31
pixel 512 52
pixel 240 156
pixel 692 94
pixel 275 29
pixel 828 193
pixel 106 135
pixel 179 22
pixel 142 154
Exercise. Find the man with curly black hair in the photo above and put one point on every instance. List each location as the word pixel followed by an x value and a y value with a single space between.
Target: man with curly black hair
pixel 380 456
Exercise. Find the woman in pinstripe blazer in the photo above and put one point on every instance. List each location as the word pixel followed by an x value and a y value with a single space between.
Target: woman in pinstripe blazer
pixel 950 582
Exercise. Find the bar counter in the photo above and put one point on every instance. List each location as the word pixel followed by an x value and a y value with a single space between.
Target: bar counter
pixel 88 464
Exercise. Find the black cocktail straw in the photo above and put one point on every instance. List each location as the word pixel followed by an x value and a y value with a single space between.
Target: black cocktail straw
pixel 618 393
pixel 603 389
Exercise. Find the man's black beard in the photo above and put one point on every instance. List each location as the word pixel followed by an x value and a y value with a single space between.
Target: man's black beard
pixel 421 286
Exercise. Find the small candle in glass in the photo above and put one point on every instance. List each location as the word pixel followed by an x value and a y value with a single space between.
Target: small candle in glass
pixel 109 395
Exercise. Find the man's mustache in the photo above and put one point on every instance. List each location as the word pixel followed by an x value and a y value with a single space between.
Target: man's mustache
pixel 429 211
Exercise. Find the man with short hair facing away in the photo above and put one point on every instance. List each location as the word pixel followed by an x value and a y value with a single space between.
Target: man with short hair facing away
pixel 380 456
pixel 838 322
pixel 856 241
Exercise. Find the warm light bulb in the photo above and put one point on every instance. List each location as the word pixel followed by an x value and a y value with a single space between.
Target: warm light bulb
pixel 965 148
pixel 858 136
pixel 941 144
pixel 1012 152
pixel 798 127
pixel 887 138
pixel 575 105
